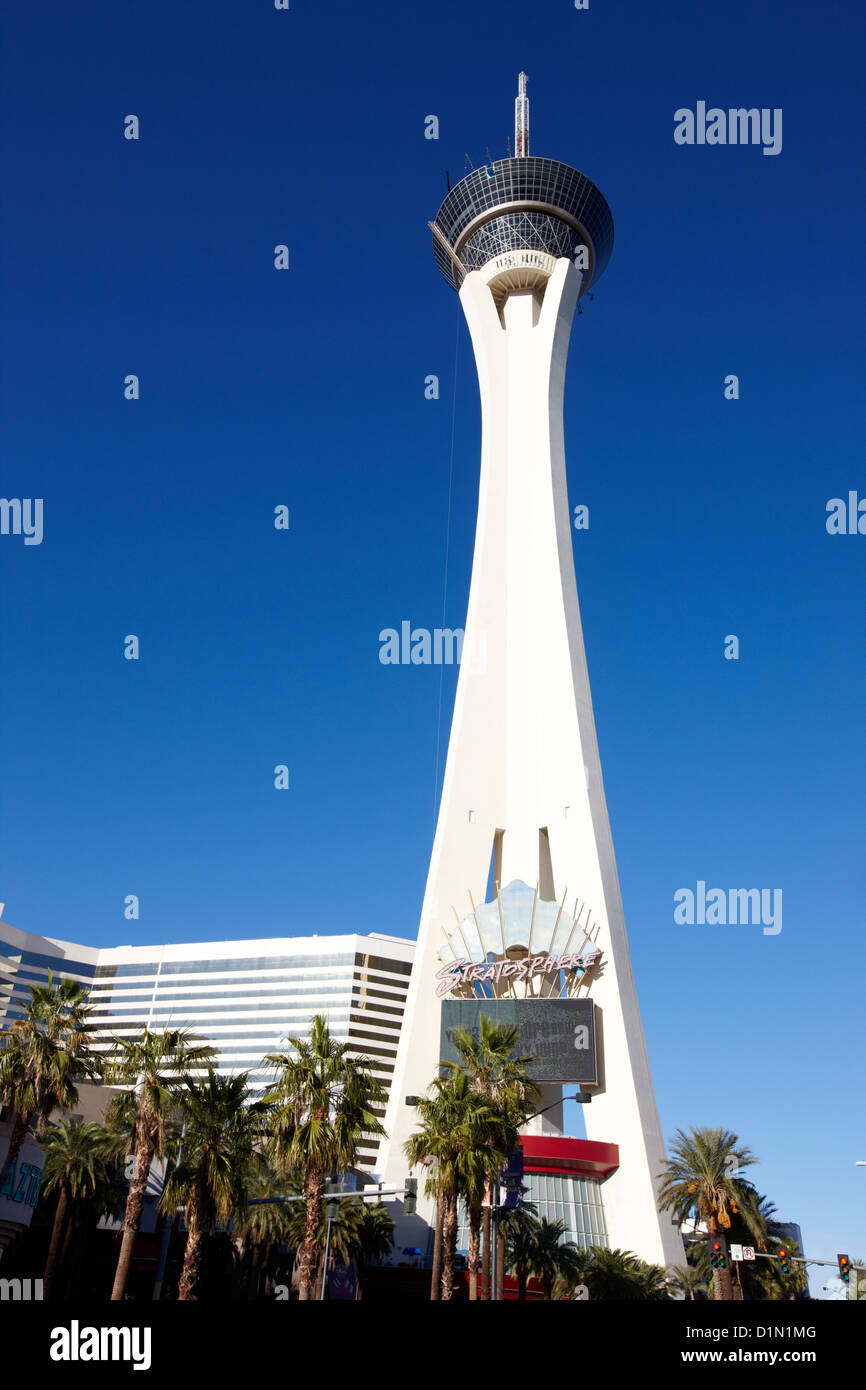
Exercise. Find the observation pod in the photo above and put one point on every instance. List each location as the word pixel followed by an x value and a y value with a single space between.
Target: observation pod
pixel 529 211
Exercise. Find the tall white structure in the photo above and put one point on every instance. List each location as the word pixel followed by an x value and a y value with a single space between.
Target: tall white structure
pixel 523 800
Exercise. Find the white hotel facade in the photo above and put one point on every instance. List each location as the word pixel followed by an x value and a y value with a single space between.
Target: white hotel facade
pixel 243 997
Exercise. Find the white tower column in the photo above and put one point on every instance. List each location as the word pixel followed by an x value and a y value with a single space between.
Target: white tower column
pixel 523 755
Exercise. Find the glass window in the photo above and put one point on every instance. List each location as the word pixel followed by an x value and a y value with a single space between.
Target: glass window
pixel 58 964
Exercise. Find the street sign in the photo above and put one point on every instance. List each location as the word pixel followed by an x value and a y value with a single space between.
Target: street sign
pixel 736 1252
pixel 511 1181
pixel 748 1252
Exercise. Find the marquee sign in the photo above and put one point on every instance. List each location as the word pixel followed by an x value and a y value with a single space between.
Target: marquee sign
pixel 463 972
pixel 558 1033
pixel 519 946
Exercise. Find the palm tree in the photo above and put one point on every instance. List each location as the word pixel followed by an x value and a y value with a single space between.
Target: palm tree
pixel 221 1134
pixel 769 1279
pixel 763 1231
pixel 455 1138
pixel 358 1232
pixel 541 1250
pixel 652 1281
pixel 474 1184
pixel 154 1066
pixel 376 1236
pixel 42 1055
pixel 502 1079
pixel 432 1147
pixel 702 1179
pixel 620 1275
pixel 687 1280
pixel 343 1240
pixel 322 1102
pixel 263 1224
pixel 81 1164
pixel 520 1237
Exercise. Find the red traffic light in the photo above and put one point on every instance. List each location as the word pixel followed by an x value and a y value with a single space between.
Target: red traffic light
pixel 718 1254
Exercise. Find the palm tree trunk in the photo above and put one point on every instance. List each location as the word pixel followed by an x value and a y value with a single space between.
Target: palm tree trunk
pixel 251 1258
pixel 16 1139
pixel 722 1288
pixel 67 1239
pixel 73 1279
pixel 474 1244
pixel 43 1113
pixel 449 1243
pixel 192 1258
pixel 314 1187
pixel 485 1256
pixel 132 1217
pixel 500 1263
pixel 56 1233
pixel 436 1278
pixel 197 1221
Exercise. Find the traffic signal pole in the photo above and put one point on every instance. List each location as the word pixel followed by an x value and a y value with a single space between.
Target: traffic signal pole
pixel 376 1190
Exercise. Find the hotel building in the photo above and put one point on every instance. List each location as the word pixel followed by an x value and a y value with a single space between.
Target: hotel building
pixel 243 997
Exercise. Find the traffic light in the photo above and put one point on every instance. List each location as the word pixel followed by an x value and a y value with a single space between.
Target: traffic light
pixel 332 1206
pixel 844 1268
pixel 718 1253
pixel 784 1261
pixel 410 1194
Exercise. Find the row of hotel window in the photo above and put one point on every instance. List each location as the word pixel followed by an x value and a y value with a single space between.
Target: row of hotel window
pixel 14 960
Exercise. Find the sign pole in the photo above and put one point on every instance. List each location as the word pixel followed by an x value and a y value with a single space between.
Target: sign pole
pixel 327 1251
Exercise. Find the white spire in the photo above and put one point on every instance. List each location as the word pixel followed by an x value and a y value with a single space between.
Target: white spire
pixel 521 119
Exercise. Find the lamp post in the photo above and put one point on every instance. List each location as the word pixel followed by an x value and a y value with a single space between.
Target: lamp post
pixel 331 1211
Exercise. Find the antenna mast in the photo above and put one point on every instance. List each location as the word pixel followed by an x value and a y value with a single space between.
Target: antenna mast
pixel 521 119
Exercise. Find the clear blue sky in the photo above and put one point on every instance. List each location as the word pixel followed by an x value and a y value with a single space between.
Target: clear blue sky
pixel 258 647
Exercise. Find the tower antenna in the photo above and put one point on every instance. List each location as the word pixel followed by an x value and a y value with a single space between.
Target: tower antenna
pixel 521 119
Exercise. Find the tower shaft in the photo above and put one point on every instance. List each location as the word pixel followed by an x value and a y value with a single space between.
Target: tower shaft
pixel 523 786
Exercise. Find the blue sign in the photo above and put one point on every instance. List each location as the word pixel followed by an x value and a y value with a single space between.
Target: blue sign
pixel 23 1183
pixel 511 1181
pixel 342 1281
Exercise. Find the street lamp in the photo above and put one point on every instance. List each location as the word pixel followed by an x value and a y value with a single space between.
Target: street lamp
pixel 332 1211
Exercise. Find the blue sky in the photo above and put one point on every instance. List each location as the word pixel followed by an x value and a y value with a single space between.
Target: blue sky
pixel 306 388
